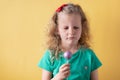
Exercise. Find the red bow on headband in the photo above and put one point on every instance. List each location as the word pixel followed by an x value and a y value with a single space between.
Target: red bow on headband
pixel 61 7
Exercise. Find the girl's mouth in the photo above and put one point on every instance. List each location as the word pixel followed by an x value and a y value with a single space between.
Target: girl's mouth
pixel 71 38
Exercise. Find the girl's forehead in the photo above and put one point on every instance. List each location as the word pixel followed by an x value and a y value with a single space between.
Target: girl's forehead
pixel 65 15
pixel 69 17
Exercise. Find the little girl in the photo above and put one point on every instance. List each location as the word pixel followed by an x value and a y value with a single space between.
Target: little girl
pixel 69 31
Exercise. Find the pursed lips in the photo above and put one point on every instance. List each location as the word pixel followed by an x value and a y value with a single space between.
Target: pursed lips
pixel 71 38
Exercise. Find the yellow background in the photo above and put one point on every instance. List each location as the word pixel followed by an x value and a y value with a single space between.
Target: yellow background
pixel 22 35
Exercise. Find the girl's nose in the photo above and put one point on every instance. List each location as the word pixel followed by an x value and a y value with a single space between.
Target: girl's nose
pixel 71 31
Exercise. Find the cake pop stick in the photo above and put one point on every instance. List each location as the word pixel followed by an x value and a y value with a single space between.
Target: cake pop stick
pixel 67 55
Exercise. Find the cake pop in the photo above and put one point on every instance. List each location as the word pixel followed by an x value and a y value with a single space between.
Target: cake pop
pixel 67 55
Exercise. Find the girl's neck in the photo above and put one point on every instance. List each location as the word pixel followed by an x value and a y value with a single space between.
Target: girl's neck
pixel 70 48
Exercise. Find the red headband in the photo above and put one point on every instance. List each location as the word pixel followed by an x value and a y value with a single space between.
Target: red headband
pixel 61 7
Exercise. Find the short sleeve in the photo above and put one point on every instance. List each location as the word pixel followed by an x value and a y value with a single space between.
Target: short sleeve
pixel 95 62
pixel 45 62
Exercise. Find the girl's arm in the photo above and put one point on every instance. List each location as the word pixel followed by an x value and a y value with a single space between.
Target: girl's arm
pixel 46 75
pixel 94 75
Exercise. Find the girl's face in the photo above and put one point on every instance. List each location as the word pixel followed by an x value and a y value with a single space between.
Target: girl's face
pixel 69 28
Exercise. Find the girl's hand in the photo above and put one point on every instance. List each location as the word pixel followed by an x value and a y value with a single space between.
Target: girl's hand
pixel 63 73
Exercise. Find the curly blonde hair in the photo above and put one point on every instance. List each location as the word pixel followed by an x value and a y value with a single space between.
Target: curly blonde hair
pixel 54 40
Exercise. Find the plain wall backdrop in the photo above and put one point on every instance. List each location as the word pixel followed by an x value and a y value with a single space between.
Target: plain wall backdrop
pixel 22 35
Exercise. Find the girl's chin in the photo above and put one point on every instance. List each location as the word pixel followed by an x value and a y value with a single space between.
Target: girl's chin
pixel 72 43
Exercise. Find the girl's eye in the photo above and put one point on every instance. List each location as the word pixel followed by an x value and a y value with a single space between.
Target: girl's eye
pixel 65 27
pixel 75 27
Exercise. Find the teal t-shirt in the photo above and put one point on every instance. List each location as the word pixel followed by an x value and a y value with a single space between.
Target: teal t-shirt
pixel 82 63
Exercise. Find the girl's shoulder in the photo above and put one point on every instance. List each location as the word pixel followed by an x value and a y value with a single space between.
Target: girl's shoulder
pixel 48 52
pixel 87 49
